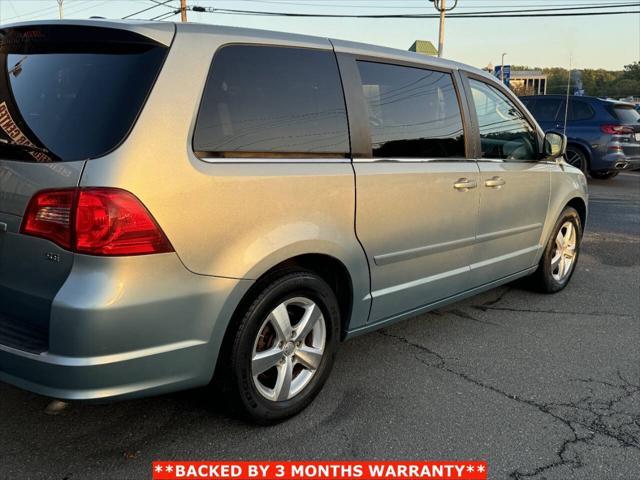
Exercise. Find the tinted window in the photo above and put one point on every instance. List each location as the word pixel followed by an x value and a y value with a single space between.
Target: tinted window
pixel 627 114
pixel 545 109
pixel 412 112
pixel 504 131
pixel 72 91
pixel 272 100
pixel 579 111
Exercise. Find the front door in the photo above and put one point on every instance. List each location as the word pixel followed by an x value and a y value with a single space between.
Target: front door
pixel 514 187
pixel 417 196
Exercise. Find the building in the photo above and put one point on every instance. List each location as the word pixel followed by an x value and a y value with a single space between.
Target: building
pixel 528 82
pixel 425 47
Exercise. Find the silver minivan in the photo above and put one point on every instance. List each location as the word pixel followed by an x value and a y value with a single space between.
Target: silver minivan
pixel 182 202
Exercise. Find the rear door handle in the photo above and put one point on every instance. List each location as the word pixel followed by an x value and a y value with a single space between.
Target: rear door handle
pixel 464 184
pixel 495 182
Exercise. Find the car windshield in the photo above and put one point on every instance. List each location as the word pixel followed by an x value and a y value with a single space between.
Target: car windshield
pixel 72 92
pixel 627 114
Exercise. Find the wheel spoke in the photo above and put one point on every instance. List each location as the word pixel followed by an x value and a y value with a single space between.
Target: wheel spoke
pixel 283 383
pixel 555 260
pixel 568 234
pixel 560 240
pixel 307 322
pixel 568 261
pixel 309 357
pixel 561 267
pixel 263 361
pixel 281 322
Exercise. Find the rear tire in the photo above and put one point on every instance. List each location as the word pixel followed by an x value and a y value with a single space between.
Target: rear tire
pixel 284 348
pixel 604 175
pixel 560 255
pixel 577 158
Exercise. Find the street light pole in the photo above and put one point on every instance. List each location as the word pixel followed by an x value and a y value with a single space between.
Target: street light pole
pixel 183 10
pixel 441 6
pixel 60 12
pixel 502 69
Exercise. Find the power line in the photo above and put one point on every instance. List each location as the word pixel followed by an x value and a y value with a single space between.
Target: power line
pixel 557 12
pixel 157 4
pixel 583 3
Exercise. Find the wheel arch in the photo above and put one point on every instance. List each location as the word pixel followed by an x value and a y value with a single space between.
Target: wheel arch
pixel 580 207
pixel 331 269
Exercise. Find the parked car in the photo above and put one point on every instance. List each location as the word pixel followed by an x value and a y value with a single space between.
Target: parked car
pixel 603 135
pixel 179 200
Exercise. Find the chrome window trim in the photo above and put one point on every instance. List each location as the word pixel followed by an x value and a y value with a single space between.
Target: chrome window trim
pixel 414 160
pixel 263 160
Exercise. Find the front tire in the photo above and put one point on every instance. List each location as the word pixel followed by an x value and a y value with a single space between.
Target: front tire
pixel 561 253
pixel 284 347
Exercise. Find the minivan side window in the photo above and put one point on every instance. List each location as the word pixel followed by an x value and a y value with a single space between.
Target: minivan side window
pixel 264 101
pixel 413 112
pixel 504 131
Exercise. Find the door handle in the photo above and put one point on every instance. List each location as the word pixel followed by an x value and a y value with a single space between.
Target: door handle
pixel 495 182
pixel 464 184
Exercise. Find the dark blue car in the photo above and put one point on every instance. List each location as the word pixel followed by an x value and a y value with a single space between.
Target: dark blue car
pixel 603 135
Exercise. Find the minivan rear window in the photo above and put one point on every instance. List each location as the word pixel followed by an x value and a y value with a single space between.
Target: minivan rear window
pixel 264 101
pixel 627 114
pixel 71 93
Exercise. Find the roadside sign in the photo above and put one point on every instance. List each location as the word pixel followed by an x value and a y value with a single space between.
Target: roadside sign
pixel 507 73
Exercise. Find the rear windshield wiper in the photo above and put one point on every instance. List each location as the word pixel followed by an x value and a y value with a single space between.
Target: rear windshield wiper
pixel 22 146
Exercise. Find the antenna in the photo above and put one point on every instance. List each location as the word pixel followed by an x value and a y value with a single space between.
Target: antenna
pixel 566 106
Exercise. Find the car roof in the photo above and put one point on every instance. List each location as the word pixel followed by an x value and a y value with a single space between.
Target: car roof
pixel 163 32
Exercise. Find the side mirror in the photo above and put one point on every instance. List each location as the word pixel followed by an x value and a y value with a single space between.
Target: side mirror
pixel 555 145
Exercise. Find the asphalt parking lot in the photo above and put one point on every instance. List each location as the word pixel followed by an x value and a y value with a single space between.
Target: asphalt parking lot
pixel 542 387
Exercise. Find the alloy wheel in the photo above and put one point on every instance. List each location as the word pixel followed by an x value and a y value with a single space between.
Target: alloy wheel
pixel 288 349
pixel 564 253
pixel 576 159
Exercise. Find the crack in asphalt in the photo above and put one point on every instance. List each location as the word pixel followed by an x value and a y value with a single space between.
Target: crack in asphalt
pixel 466 316
pixel 589 420
pixel 559 312
pixel 489 304
pixel 492 305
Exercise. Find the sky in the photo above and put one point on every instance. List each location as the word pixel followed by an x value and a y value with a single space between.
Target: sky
pixel 608 42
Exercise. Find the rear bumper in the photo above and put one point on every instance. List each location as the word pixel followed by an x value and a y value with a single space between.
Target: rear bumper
pixel 627 164
pixel 618 161
pixel 132 374
pixel 127 327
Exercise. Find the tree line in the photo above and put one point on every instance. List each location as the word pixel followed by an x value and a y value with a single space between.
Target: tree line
pixel 595 82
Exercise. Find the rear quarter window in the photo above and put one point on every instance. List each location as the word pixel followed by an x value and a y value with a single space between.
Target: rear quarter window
pixel 263 101
pixel 626 114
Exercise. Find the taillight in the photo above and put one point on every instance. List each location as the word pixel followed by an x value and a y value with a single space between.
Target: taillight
pixel 616 129
pixel 49 216
pixel 95 221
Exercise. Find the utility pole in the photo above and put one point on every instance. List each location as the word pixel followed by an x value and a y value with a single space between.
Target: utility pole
pixel 183 10
pixel 441 6
pixel 60 12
